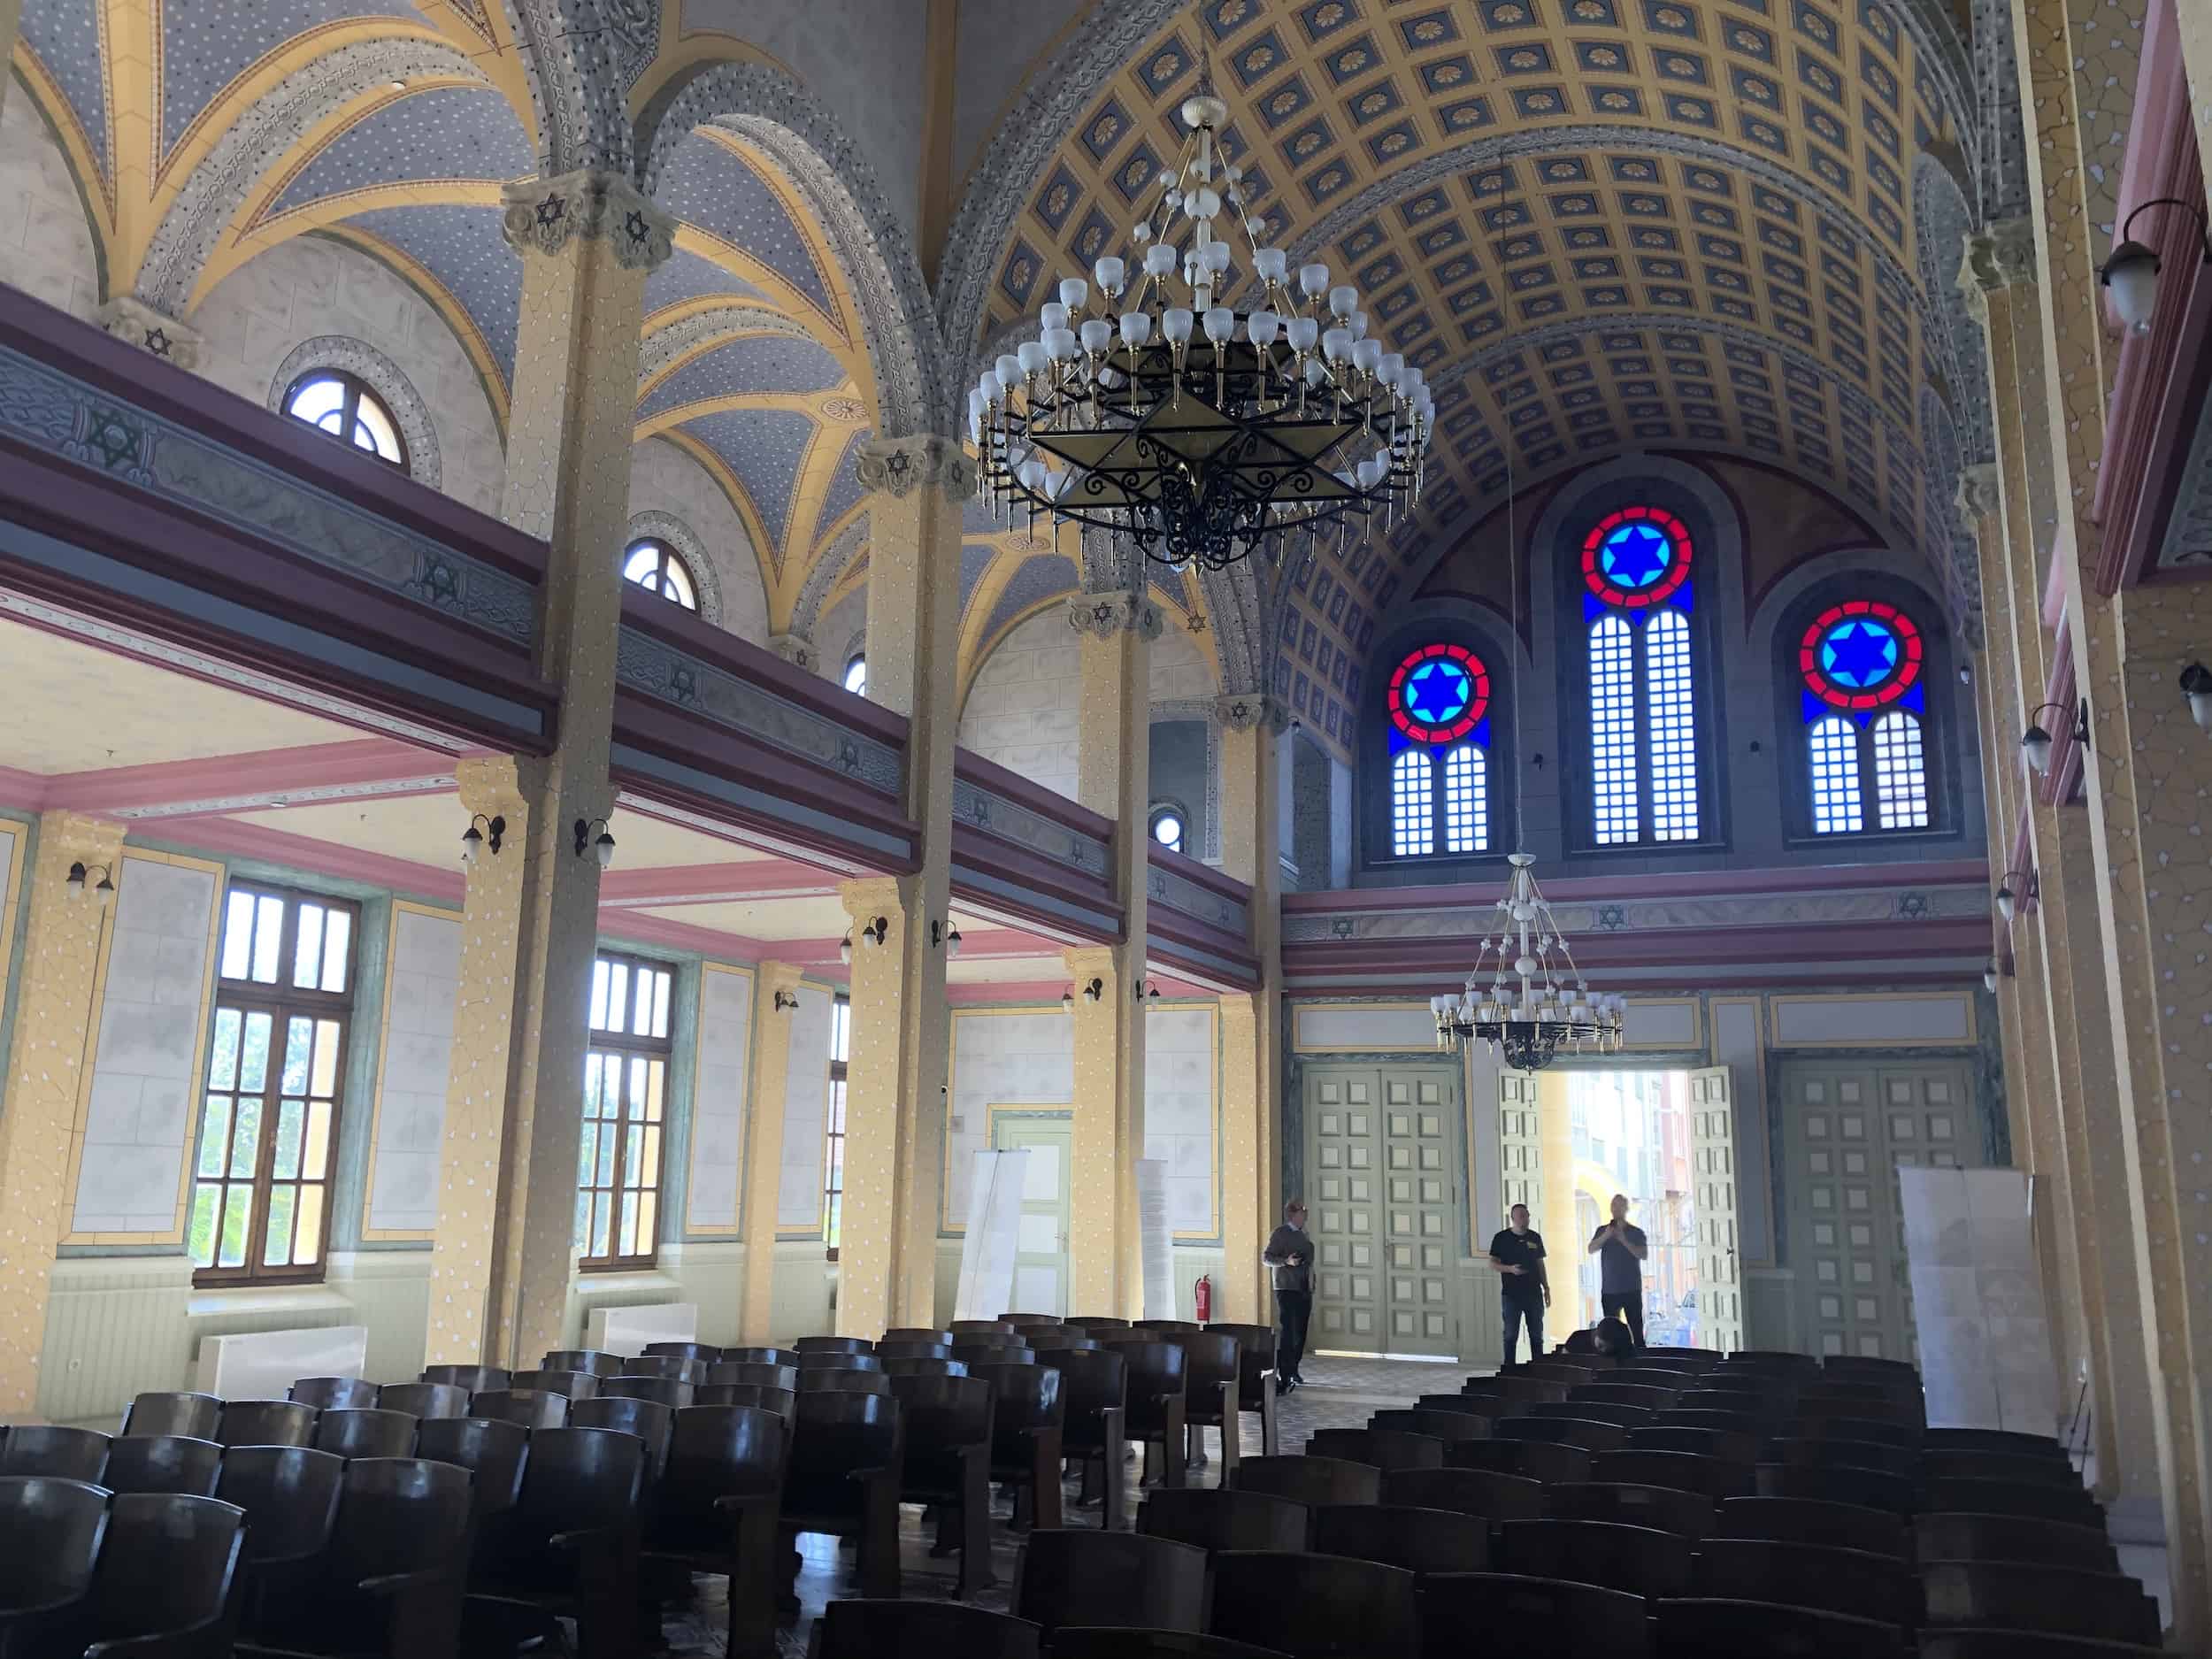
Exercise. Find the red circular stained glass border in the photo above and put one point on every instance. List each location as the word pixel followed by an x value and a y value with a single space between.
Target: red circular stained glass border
pixel 1662 587
pixel 1911 652
pixel 1449 731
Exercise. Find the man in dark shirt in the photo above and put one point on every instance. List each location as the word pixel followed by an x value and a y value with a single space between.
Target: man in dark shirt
pixel 1290 1253
pixel 1621 1249
pixel 1525 1290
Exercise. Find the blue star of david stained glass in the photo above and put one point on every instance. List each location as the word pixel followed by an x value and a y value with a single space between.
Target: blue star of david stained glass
pixel 1438 693
pixel 1636 555
pixel 1859 653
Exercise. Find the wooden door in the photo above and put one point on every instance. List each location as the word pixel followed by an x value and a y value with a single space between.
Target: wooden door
pixel 1713 1176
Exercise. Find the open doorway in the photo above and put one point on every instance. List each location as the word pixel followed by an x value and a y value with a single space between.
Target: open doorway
pixel 1626 1131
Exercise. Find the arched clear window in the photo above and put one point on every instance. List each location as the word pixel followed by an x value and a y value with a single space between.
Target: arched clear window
pixel 1644 771
pixel 1466 800
pixel 857 676
pixel 1169 828
pixel 657 568
pixel 1412 819
pixel 1438 703
pixel 1860 662
pixel 343 406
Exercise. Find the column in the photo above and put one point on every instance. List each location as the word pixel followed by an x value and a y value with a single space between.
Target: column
pixel 54 1034
pixel 501 1267
pixel 1113 776
pixel 901 1028
pixel 1252 728
pixel 764 1147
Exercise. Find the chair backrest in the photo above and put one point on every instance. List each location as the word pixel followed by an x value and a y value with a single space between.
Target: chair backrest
pixel 887 1350
pixel 289 1494
pixel 1661 1507
pixel 1024 1399
pixel 715 1452
pixel 1312 1481
pixel 266 1422
pixel 912 1333
pixel 1733 1446
pixel 366 1432
pixel 1761 1359
pixel 649 1419
pixel 424 1399
pixel 1090 1380
pixel 1537 1460
pixel 1811 1521
pixel 834 1345
pixel 492 1449
pixel 475 1379
pixel 597 1362
pixel 1073 1641
pixel 980 1327
pixel 1483 1492
pixel 1952 1536
pixel 2021 1644
pixel 1705 1628
pixel 399 1514
pixel 1613 1394
pixel 1438 1426
pixel 1314 1604
pixel 1419 1540
pixel 2013 1441
pixel 1071 1576
pixel 59 1453
pixel 921 1630
pixel 1095 1322
pixel 1944 1464
pixel 2014 1497
pixel 1550 1619
pixel 1817 1425
pixel 1868 1488
pixel 974 1353
pixel 942 1415
pixel 533 1408
pixel 579 1481
pixel 2032 1595
pixel 1639 1376
pixel 163 1463
pixel 333 1393
pixel 762 1356
pixel 1593 1411
pixel 193 1416
pixel 577 1385
pixel 705 1353
pixel 782 1401
pixel 1211 1358
pixel 837 1359
pixel 1751 1422
pixel 834 1434
pixel 753 1371
pixel 49 1536
pixel 1156 1372
pixel 1854 1581
pixel 1636 1559
pixel 1588 1434
pixel 664 1391
pixel 1026 1321
pixel 1685 1471
pixel 1901 1461
pixel 1219 1518
pixel 893 1366
pixel 1049 1342
pixel 837 1379
pixel 166 1567
pixel 675 1367
pixel 1386 1449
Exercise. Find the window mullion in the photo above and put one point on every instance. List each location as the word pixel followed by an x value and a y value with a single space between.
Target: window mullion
pixel 1639 690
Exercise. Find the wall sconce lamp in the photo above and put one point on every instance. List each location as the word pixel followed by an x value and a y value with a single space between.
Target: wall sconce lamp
pixel 1067 1000
pixel 104 891
pixel 786 1001
pixel 1990 975
pixel 602 848
pixel 1147 988
pixel 474 840
pixel 2035 743
pixel 845 951
pixel 1096 989
pixel 876 932
pixel 2196 685
pixel 2131 272
pixel 946 935
pixel 2017 884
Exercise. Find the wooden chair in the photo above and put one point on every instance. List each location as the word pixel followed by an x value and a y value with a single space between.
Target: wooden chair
pixel 1950 1536
pixel 1979 1465
pixel 421 1400
pixel 895 1366
pixel 475 1379
pixel 569 1547
pixel 974 1353
pixel 49 1539
pixel 1215 1518
pixel 1028 1321
pixel 1768 1404
pixel 911 1333
pixel 1312 1481
pixel 1436 1426
pixel 266 1422
pixel 1572 1372
pixel 1256 1377
pixel 1418 1541
pixel 705 1353
pixel 1534 1460
pixel 333 1393
pixel 192 1415
pixel 161 1587
pixel 842 1474
pixel 1897 1372
pixel 1810 1521
pixel 1095 1323
pixel 1638 1376
pixel 1158 1381
pixel 1386 1449
pixel 756 1371
pixel 1591 1436
pixel 1593 1411
pixel 59 1453
pixel 1729 1445
pixel 782 1401
pixel 1028 1422
pixel 1758 1426
pixel 1854 1581
pixel 289 1494
pixel 1314 1605
pixel 1868 1488
pixel 162 1462
pixel 948 1427
pixel 2010 1440
pixel 1660 1508
pixel 1853 1425
pixel 1479 1492
pixel 717 1509
pixel 1615 1393
pixel 980 1327
pixel 1636 1559
pixel 532 1408
pixel 761 1356
pixel 664 1390
pixel 922 1629
pixel 2021 1644
pixel 1549 1618
pixel 597 1362
pixel 1212 1387
pixel 1072 1642
pixel 1094 1387
pixel 365 1433
pixel 1706 1629
pixel 1527 1390
pixel 493 1451
pixel 1716 1477
pixel 1900 1461
pixel 888 1350
pixel 673 1367
pixel 649 1419
pixel 1081 1577
pixel 824 1345
pixel 2023 1596
pixel 837 1359
pixel 837 1379
pixel 2014 1497
pixel 1770 1361
pixel 391 1581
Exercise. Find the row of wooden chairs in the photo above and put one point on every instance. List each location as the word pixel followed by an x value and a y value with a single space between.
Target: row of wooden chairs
pixel 81 1567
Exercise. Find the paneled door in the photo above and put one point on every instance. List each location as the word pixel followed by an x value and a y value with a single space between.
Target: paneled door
pixel 1713 1176
pixel 1040 1245
pixel 1381 1153
pixel 1520 1155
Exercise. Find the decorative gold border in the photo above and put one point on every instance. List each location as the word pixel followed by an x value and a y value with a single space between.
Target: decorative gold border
pixel 1770 1029
pixel 1298 1011
pixel 390 1235
pixel 745 1122
pixel 186 1158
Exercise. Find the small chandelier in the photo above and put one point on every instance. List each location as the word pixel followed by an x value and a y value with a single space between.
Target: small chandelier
pixel 1199 430
pixel 1551 1009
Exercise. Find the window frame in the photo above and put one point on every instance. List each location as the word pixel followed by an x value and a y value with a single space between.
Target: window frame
pixel 1164 810
pixel 283 1002
pixel 833 1103
pixel 669 557
pixel 357 391
pixel 858 661
pixel 629 1045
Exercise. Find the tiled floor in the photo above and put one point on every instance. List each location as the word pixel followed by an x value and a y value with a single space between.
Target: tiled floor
pixel 1340 1394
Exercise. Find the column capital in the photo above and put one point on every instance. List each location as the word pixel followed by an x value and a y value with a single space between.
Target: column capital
pixel 497 785
pixel 795 648
pixel 1979 493
pixel 1107 614
pixel 155 332
pixel 867 897
pixel 544 215
pixel 1242 711
pixel 900 466
pixel 779 976
pixel 1086 963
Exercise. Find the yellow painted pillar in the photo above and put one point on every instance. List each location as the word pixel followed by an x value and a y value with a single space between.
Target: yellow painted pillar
pixel 1251 1024
pixel 54 1032
pixel 1555 1175
pixel 499 1284
pixel 902 1027
pixel 764 1147
pixel 1113 775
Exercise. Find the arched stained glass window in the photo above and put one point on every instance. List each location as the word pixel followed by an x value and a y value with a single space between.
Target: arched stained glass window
pixel 1439 702
pixel 1864 705
pixel 1645 774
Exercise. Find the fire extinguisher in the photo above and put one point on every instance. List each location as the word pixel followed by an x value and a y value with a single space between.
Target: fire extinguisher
pixel 1202 1294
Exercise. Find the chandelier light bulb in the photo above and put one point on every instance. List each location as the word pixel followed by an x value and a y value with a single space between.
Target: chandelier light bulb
pixel 1108 272
pixel 1175 324
pixel 1075 292
pixel 1313 280
pixel 1098 334
pixel 1271 264
pixel 1263 328
pixel 1052 314
pixel 1159 259
pixel 1136 329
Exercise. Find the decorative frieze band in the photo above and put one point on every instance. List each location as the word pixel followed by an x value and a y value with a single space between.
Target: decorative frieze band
pixel 994 814
pixel 1176 892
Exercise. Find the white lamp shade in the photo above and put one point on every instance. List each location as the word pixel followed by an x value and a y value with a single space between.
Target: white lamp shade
pixel 2132 275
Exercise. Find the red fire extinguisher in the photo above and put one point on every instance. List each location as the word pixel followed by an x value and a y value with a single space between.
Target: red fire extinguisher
pixel 1203 1295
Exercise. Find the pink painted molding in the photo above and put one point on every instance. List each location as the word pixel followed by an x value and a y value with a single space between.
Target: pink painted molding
pixel 262 774
pixel 639 928
pixel 1046 991
pixel 713 884
pixel 25 791
pixel 315 857
pixel 1811 879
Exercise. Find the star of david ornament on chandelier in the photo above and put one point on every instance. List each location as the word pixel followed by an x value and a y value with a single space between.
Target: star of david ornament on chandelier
pixel 1202 431
pixel 1537 1003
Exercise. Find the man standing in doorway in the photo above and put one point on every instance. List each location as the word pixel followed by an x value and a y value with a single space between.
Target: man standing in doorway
pixel 1621 1249
pixel 1524 1288
pixel 1290 1253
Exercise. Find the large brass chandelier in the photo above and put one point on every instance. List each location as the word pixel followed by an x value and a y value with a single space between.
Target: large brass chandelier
pixel 1199 430
pixel 1551 1008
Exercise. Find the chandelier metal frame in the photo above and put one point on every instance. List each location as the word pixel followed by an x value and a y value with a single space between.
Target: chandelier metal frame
pixel 1552 1008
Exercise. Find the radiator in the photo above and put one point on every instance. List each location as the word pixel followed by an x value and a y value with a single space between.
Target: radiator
pixel 263 1365
pixel 626 1331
